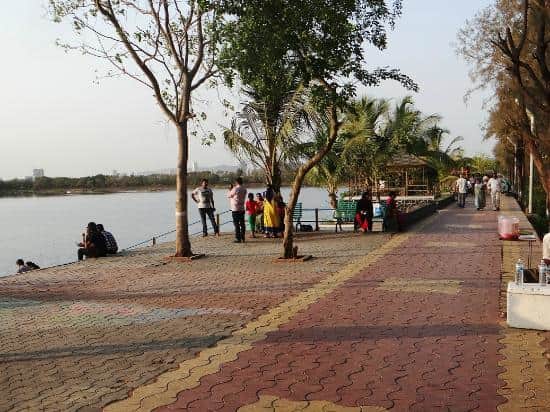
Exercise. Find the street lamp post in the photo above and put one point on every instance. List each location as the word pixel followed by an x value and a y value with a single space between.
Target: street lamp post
pixel 530 205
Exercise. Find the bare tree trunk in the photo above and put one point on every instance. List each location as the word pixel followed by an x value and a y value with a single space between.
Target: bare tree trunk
pixel 333 200
pixel 183 245
pixel 288 239
pixel 276 178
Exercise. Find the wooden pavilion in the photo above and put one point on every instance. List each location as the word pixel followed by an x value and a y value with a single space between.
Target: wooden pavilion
pixel 409 176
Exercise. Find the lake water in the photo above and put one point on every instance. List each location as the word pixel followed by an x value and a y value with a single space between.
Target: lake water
pixel 45 229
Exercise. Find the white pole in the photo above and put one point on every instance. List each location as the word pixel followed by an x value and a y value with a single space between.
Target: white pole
pixel 530 207
pixel 532 120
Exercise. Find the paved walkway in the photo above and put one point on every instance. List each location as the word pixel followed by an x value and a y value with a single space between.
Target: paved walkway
pixel 412 322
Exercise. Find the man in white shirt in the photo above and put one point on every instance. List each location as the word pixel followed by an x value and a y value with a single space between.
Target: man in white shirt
pixel 237 197
pixel 204 198
pixel 462 189
pixel 495 186
pixel 546 248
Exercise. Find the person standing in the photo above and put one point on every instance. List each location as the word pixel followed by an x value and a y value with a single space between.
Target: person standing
pixel 260 213
pixel 495 187
pixel 462 189
pixel 479 194
pixel 392 220
pixel 251 207
pixel 237 196
pixel 271 217
pixel 204 198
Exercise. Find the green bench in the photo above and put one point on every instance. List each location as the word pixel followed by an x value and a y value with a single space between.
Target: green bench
pixel 345 213
pixel 297 215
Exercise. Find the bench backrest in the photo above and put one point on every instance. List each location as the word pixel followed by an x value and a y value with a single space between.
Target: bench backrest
pixel 297 212
pixel 346 209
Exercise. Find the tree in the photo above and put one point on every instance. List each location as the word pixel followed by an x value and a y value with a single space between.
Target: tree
pixel 319 43
pixel 365 147
pixel 442 158
pixel 329 172
pixel 267 131
pixel 507 46
pixel 168 46
pixel 482 163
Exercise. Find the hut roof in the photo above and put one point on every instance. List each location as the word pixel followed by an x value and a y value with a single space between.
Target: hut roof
pixel 406 160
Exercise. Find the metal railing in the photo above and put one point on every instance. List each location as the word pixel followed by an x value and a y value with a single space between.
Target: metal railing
pixel 315 212
pixel 154 239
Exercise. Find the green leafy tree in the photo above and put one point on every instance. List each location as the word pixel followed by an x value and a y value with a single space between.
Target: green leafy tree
pixel 506 45
pixel 319 43
pixel 168 46
pixel 267 131
pixel 442 158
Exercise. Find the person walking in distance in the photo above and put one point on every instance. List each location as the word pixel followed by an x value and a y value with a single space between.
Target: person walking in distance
pixel 237 197
pixel 495 187
pixel 204 198
pixel 462 189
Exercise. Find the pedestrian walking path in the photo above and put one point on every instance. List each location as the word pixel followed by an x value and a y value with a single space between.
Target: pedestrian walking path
pixel 413 321
pixel 416 325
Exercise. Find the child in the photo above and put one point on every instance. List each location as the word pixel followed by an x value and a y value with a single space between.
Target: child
pixel 251 208
pixel 260 213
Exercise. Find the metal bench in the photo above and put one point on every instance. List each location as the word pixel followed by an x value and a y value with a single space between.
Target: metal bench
pixel 345 213
pixel 381 216
pixel 297 215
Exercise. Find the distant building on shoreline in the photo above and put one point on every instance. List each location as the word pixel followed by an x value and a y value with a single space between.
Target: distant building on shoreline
pixel 37 173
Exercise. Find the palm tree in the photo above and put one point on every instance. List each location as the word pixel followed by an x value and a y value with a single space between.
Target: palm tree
pixel 266 133
pixel 442 158
pixel 363 145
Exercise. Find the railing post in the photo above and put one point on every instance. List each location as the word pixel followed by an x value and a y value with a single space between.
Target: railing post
pixel 316 219
pixel 154 241
pixel 218 219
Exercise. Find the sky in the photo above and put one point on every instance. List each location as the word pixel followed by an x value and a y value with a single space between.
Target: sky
pixel 56 115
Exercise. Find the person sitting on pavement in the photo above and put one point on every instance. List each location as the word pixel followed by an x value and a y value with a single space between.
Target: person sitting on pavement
pixel 32 265
pixel 110 241
pixel 21 267
pixel 94 244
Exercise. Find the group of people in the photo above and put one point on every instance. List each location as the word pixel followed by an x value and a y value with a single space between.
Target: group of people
pixel 23 266
pixel 481 187
pixel 364 213
pixel 96 242
pixel 263 211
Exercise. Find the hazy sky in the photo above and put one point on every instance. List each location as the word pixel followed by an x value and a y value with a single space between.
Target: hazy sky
pixel 53 115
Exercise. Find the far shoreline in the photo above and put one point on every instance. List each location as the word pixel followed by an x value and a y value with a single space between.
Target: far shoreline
pixel 107 191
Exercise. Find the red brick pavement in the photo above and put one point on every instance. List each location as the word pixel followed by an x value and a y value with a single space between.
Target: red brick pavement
pixel 389 337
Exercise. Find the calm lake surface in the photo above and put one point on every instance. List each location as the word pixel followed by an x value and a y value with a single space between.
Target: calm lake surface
pixel 45 229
